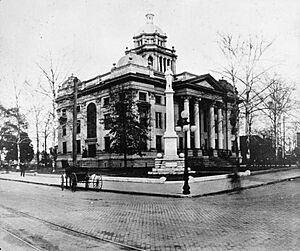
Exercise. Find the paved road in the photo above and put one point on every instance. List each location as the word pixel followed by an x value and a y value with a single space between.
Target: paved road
pixel 263 218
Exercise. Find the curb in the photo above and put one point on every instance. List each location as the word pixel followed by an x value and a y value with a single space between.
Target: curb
pixel 157 194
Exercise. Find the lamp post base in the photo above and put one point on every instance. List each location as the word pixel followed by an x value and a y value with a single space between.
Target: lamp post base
pixel 186 188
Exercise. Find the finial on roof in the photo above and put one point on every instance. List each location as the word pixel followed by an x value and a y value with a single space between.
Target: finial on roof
pixel 149 18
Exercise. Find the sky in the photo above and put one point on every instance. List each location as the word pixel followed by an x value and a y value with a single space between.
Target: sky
pixel 85 37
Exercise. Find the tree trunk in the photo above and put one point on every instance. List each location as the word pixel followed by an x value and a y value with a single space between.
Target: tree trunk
pixel 37 146
pixel 125 159
pixel 18 154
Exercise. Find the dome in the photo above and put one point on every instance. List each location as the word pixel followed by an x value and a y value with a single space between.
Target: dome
pixel 149 27
pixel 132 58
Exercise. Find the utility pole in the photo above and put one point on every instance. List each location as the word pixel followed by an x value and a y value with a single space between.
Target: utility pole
pixel 283 143
pixel 74 131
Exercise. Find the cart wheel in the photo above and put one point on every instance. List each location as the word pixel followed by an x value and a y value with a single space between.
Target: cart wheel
pixel 73 181
pixel 62 182
pixel 97 182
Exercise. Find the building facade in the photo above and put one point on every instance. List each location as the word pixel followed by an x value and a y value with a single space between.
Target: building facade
pixel 208 102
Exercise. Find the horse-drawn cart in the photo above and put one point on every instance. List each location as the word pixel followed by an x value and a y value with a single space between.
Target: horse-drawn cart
pixel 76 174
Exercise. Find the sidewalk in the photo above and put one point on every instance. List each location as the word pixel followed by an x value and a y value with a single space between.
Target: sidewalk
pixel 201 186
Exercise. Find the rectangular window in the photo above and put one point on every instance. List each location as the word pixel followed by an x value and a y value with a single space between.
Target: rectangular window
pixel 78 108
pixel 64 112
pixel 92 150
pixel 158 143
pixel 78 146
pixel 233 146
pixel 106 144
pixel 192 140
pixel 64 145
pixel 143 144
pixel 78 128
pixel 107 122
pixel 142 96
pixel 64 130
pixel 181 143
pixel 106 101
pixel 143 119
pixel 158 119
pixel 158 99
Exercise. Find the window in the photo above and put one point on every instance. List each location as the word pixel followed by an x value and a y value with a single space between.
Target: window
pixel 91 121
pixel 158 143
pixel 106 144
pixel 192 140
pixel 107 122
pixel 158 119
pixel 158 99
pixel 142 96
pixel 106 101
pixel 64 112
pixel 78 108
pixel 150 61
pixel 92 150
pixel 181 143
pixel 64 145
pixel 78 128
pixel 143 119
pixel 78 146
pixel 64 130
pixel 143 144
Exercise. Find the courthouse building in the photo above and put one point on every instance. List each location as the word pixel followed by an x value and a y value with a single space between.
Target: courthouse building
pixel 208 101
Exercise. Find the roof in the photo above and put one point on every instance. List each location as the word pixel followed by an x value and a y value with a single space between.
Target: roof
pixel 132 58
pixel 149 27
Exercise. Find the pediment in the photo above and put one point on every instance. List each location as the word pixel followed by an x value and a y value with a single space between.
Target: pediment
pixel 204 84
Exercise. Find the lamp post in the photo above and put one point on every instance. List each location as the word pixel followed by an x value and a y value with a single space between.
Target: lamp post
pixel 185 125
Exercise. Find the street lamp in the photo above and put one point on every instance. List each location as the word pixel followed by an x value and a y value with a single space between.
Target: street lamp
pixel 185 125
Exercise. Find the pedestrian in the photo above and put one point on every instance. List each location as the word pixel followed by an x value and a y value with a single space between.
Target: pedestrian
pixel 22 169
pixel 235 180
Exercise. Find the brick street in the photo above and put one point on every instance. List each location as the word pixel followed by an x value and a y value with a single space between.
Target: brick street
pixel 262 218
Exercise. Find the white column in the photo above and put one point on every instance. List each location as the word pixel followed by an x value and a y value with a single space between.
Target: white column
pixel 229 136
pixel 220 128
pixel 170 136
pixel 152 122
pixel 187 108
pixel 212 134
pixel 202 126
pixel 197 124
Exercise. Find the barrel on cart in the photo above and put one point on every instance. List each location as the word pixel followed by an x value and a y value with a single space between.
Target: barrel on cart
pixel 76 174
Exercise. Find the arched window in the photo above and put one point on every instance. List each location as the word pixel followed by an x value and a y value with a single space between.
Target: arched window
pixel 91 121
pixel 150 61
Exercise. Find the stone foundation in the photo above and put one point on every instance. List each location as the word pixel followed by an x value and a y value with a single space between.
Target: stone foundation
pixel 166 166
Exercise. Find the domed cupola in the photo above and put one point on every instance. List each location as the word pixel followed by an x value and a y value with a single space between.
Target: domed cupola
pixel 149 33
pixel 132 58
pixel 150 43
pixel 149 27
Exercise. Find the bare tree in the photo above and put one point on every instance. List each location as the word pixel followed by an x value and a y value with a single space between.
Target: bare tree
pixel 53 74
pixel 244 71
pixel 276 104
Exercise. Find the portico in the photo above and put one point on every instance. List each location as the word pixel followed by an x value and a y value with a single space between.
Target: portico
pixel 211 119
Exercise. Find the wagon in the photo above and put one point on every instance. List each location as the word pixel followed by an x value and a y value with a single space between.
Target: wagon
pixel 77 174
